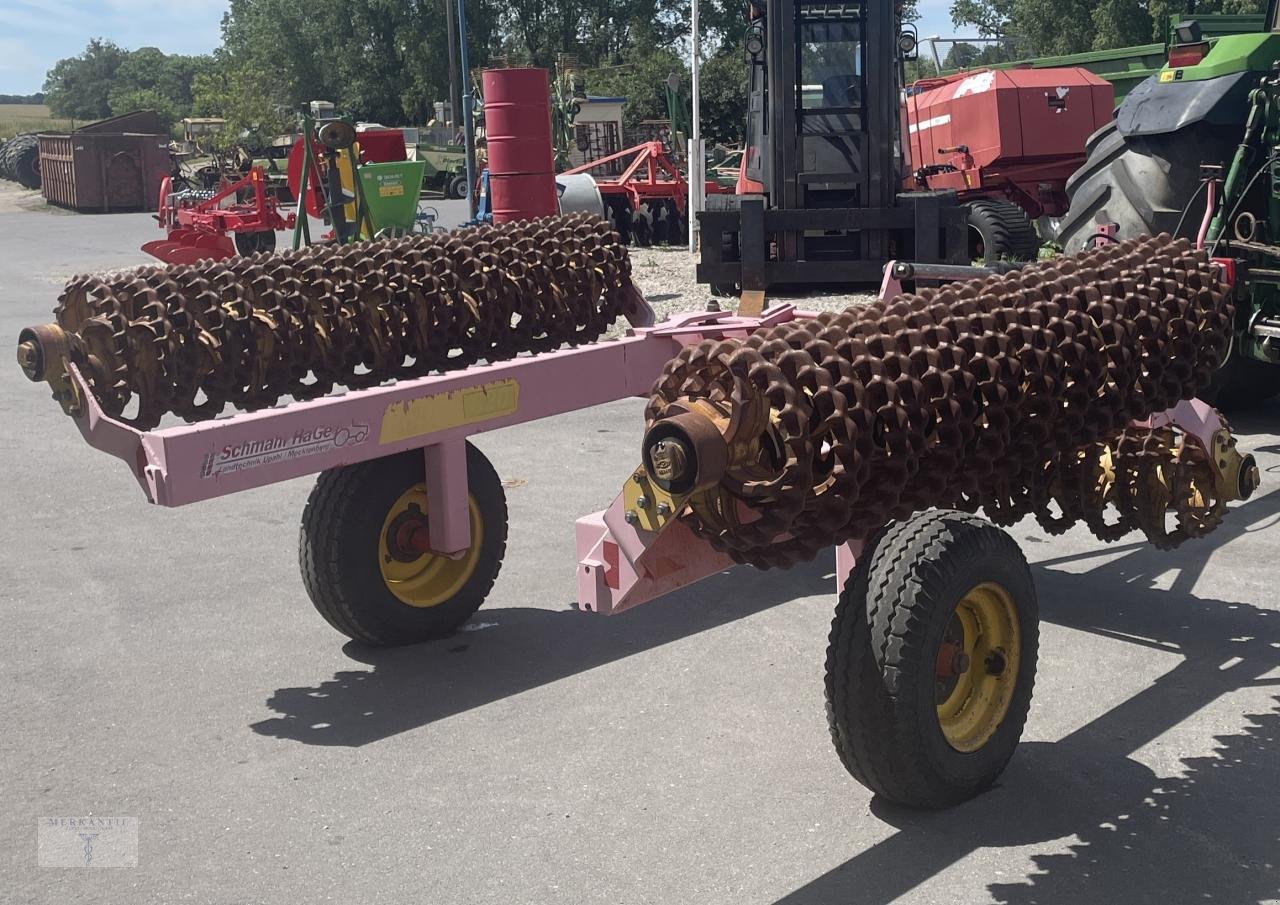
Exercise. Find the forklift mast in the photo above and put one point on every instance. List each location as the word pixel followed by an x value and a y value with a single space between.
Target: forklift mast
pixel 839 64
pixel 820 197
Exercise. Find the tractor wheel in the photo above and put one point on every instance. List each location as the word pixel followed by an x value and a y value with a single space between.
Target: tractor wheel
pixel 1142 183
pixel 932 658
pixel 23 160
pixel 457 188
pixel 999 230
pixel 255 242
pixel 359 569
pixel 1241 383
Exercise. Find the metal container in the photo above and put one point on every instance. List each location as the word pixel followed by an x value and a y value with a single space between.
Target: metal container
pixel 517 116
pixel 113 165
pixel 391 193
pixel 579 194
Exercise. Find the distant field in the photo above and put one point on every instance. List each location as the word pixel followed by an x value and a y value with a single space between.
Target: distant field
pixel 15 118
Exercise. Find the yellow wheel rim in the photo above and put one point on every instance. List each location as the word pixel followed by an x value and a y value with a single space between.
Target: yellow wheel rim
pixel 976 669
pixel 423 579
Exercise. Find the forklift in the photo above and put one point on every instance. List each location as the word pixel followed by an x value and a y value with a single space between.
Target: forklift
pixel 819 197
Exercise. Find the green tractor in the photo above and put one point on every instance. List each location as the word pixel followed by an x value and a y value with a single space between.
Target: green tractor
pixel 1213 110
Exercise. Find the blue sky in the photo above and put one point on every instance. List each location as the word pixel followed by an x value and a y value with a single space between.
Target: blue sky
pixel 35 34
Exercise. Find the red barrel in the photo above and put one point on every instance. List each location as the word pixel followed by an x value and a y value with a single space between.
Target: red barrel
pixel 517 122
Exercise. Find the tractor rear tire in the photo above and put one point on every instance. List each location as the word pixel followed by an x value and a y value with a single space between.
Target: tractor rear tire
pixel 999 230
pixel 1142 183
pixel 22 160
pixel 381 598
pixel 911 718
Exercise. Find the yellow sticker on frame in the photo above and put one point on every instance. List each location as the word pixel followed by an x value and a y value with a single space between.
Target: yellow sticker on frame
pixel 441 411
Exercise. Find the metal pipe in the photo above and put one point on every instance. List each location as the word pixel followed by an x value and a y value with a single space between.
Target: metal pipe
pixel 455 102
pixel 469 133
pixel 696 183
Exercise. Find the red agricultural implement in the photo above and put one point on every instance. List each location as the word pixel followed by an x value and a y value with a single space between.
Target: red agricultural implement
pixel 1013 134
pixel 214 224
pixel 648 200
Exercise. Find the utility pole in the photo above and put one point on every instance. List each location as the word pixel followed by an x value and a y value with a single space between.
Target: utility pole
pixel 469 132
pixel 697 159
pixel 451 31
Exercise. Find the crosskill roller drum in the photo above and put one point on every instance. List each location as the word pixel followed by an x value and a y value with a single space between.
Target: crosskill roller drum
pixel 1064 391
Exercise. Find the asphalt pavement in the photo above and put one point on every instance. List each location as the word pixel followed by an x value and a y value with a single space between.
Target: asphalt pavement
pixel 166 666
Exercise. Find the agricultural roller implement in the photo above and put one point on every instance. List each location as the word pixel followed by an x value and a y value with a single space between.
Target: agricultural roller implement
pixel 647 201
pixel 1065 391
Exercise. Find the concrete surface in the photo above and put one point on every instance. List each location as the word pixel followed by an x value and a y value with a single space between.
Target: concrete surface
pixel 166 665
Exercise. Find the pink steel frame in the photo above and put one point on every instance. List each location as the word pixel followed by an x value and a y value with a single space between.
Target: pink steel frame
pixel 173 464
pixel 619 565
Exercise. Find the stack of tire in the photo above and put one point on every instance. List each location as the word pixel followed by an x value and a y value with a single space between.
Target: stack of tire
pixel 20 160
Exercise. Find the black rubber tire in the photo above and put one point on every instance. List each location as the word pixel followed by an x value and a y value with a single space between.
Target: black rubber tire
pixel 999 230
pixel 1242 383
pixel 882 650
pixel 252 243
pixel 1143 183
pixel 457 188
pixel 338 550
pixel 20 160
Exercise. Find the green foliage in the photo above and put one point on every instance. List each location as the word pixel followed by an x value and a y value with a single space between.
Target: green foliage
pixel 247 98
pixel 79 87
pixel 106 80
pixel 150 79
pixel 378 60
pixel 1051 27
pixel 640 76
pixel 723 81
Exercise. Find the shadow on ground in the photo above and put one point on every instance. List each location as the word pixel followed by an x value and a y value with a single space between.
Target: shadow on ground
pixel 512 650
pixel 1209 834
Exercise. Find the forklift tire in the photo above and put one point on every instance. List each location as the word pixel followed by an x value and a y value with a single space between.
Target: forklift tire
pixel 457 188
pixel 932 659
pixel 255 242
pixel 375 592
pixel 999 230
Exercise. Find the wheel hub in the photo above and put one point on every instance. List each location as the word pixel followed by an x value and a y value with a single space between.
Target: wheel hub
pixel 976 668
pixel 417 576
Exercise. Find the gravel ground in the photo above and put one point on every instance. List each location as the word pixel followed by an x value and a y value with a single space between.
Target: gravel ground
pixel 665 274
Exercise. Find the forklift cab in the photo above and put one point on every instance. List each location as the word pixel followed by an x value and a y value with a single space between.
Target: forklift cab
pixel 818 199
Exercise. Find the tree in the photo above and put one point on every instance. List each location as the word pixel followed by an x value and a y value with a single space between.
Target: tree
pixel 723 81
pixel 641 78
pixel 79 87
pixel 1051 27
pixel 247 99
pixel 376 59
pixel 149 79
